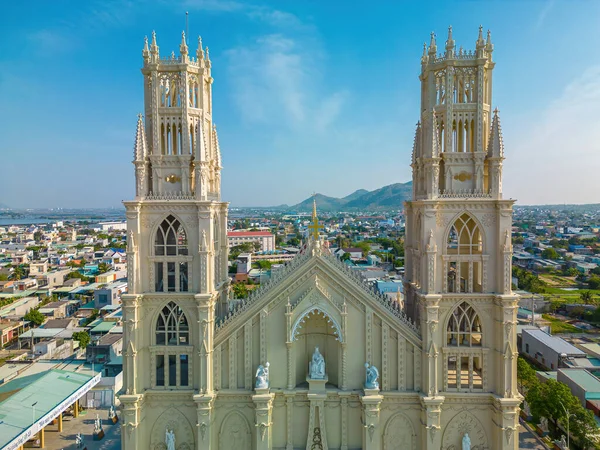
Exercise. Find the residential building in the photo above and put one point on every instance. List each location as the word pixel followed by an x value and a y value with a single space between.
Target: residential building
pixel 266 239
pixel 548 350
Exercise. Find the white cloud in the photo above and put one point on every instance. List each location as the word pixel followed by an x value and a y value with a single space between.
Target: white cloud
pixel 557 157
pixel 276 80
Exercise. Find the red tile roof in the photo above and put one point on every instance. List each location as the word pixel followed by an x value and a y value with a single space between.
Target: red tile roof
pixel 248 233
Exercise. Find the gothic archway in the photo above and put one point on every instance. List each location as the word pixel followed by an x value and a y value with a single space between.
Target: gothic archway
pixel 464 422
pixel 399 434
pixel 174 420
pixel 235 432
pixel 316 328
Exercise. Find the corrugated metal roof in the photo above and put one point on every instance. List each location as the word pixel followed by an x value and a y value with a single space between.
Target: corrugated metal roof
pixel 583 378
pixel 557 344
pixel 47 390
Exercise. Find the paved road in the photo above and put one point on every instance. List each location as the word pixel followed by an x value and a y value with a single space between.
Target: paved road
pixel 84 424
pixel 528 440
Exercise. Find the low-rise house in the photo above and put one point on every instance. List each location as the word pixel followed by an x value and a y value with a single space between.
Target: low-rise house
pixel 109 294
pixel 55 310
pixel 583 385
pixel 106 349
pixel 39 267
pixel 26 284
pixel 10 330
pixel 548 350
pixel 109 277
pixel 17 309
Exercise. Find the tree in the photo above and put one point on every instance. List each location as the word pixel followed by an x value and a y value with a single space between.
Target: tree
pixel 550 253
pixel 35 316
pixel 585 297
pixel 525 375
pixel 364 246
pixel 75 274
pixel 3 276
pixel 18 273
pixel 240 290
pixel 37 236
pixel 594 282
pixel 103 267
pixel 83 337
pixel 547 399
pixel 346 256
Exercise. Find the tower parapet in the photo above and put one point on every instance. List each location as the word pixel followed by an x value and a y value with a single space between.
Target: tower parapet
pixel 456 99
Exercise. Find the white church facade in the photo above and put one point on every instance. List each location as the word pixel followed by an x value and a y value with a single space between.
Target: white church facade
pixel 315 358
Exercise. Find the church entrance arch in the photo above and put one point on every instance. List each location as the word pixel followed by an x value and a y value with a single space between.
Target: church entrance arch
pixel 399 434
pixel 235 433
pixel 316 328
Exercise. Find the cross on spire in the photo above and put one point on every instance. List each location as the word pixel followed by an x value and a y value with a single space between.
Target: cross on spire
pixel 315 227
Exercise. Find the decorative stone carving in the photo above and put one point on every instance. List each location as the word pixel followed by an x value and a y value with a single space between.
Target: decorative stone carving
pixel 461 424
pixel 399 434
pixel 235 433
pixel 174 421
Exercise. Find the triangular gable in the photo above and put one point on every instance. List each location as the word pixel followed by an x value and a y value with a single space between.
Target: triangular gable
pixel 315 263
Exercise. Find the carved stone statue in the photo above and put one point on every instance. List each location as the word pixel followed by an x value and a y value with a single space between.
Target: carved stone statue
pixel 79 440
pixel 170 439
pixel 544 425
pixel 466 442
pixel 563 443
pixel 262 376
pixel 372 376
pixel 316 367
pixel 97 424
pixel 526 408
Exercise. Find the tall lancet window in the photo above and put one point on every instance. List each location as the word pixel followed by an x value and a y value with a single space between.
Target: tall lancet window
pixel 463 351
pixel 171 352
pixel 171 257
pixel 463 258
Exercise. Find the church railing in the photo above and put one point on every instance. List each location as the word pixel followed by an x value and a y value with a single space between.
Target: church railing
pixel 466 194
pixel 240 305
pixel 173 196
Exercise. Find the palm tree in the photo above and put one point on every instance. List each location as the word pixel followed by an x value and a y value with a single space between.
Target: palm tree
pixel 18 273
pixel 585 297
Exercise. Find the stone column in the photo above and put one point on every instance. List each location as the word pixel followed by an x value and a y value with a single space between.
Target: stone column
pixel 372 433
pixel 130 320
pixel 263 407
pixel 204 404
pixel 432 409
pixel 507 421
pixel 130 420
pixel 317 429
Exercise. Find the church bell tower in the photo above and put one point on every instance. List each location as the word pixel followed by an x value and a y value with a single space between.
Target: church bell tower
pixel 458 249
pixel 176 251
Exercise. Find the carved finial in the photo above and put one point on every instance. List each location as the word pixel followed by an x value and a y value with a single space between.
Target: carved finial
pixel 146 50
pixel 432 46
pixel 199 51
pixel 489 47
pixel 424 56
pixel 450 41
pixel 480 41
pixel 207 54
pixel 183 48
pixel 154 46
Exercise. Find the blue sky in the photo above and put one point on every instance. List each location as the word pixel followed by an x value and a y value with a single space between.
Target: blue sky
pixel 308 95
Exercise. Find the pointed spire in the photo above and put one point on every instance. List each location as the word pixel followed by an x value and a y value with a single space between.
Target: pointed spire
pixel 417 143
pixel 217 148
pixel 199 51
pixel 432 46
pixel 480 42
pixel 183 48
pixel 449 43
pixel 489 47
pixel 207 54
pixel 146 50
pixel 140 150
pixel 314 212
pixel 154 46
pixel 424 55
pixel 495 143
pixel 201 153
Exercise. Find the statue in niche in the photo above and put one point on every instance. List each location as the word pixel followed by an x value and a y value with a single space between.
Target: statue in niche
pixel 262 376
pixel 372 376
pixel 316 367
pixel 466 442
pixel 170 439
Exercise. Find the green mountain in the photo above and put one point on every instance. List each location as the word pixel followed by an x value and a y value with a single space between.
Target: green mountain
pixel 387 197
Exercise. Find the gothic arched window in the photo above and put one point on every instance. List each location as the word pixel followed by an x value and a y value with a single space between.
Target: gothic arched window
pixel 172 350
pixel 463 258
pixel 172 326
pixel 463 350
pixel 171 257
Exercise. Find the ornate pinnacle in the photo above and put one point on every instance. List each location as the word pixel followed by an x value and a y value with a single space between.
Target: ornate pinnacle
pixel 146 50
pixel 199 51
pixel 154 47
pixel 183 48
pixel 480 41
pixel 450 41
pixel 432 46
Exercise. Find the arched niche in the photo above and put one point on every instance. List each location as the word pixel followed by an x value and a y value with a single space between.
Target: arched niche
pixel 315 327
pixel 464 422
pixel 235 432
pixel 399 434
pixel 174 420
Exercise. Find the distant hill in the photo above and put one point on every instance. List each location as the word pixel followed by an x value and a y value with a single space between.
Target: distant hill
pixel 387 197
pixel 3 206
